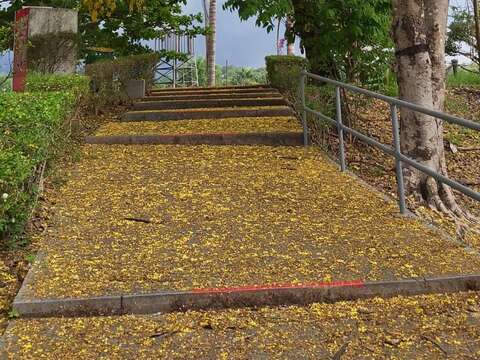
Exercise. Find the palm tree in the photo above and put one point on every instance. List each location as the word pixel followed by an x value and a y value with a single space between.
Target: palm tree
pixel 212 24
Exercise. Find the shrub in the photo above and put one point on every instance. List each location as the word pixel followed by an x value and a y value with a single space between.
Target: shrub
pixel 33 131
pixel 109 78
pixel 283 72
pixel 77 84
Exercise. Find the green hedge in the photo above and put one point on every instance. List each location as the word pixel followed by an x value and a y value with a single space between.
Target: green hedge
pixel 77 84
pixel 283 72
pixel 109 77
pixel 32 131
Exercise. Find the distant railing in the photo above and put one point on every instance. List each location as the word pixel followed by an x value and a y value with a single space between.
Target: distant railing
pixel 394 151
pixel 184 44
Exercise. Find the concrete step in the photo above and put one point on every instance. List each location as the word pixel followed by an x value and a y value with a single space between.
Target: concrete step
pixel 227 95
pixel 270 139
pixel 213 91
pixel 203 88
pixel 163 115
pixel 209 103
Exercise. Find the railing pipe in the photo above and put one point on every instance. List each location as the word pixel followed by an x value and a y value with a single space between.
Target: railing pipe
pixel 385 148
pixel 452 183
pixel 304 112
pixel 341 143
pixel 398 162
pixel 401 103
pixel 396 150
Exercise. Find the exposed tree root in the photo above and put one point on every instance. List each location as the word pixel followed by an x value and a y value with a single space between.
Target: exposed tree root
pixel 440 197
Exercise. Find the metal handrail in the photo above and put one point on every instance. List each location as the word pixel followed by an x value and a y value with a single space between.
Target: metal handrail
pixel 394 151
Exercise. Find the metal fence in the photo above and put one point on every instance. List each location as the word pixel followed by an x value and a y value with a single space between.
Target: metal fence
pixel 395 151
pixel 184 44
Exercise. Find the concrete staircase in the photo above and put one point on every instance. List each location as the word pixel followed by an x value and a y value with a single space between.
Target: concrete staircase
pixel 222 114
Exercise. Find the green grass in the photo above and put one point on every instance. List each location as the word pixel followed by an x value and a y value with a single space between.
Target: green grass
pixel 463 78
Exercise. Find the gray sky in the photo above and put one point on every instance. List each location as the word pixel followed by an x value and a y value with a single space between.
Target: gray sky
pixel 239 42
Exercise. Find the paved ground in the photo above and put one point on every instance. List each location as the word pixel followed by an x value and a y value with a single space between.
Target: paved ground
pixel 232 125
pixel 425 327
pixel 226 216
pixel 142 218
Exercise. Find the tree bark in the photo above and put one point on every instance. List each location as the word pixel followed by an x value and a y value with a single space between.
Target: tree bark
pixel 476 18
pixel 205 4
pixel 278 36
pixel 211 42
pixel 290 43
pixel 419 32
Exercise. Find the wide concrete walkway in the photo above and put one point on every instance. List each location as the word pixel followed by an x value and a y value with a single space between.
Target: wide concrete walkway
pixel 139 219
pixel 150 218
pixel 423 327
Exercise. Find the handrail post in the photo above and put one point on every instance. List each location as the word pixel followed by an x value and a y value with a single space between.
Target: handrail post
pixel 304 112
pixel 398 162
pixel 341 143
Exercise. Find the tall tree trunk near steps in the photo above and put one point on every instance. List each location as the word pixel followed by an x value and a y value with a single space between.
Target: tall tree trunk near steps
pixel 290 44
pixel 290 49
pixel 211 42
pixel 205 4
pixel 278 36
pixel 419 31
pixel 476 18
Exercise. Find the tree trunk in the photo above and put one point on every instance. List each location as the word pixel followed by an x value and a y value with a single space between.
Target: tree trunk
pixel 205 15
pixel 278 36
pixel 212 21
pixel 419 32
pixel 290 41
pixel 476 17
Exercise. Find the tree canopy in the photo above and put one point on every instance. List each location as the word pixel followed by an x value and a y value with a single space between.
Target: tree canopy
pixel 461 35
pixel 345 39
pixel 265 11
pixel 121 29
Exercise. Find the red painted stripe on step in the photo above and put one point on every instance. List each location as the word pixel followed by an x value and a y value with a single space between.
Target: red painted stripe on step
pixel 354 283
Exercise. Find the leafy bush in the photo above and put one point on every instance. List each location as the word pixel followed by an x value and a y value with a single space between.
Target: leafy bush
pixel 243 75
pixel 283 72
pixel 389 84
pixel 110 77
pixel 56 82
pixel 5 82
pixel 231 75
pixel 33 130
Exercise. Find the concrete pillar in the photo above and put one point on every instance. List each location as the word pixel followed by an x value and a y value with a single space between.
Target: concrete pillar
pixel 47 20
pixel 32 22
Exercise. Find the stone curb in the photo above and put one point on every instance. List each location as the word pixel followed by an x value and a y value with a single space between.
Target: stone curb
pixel 213 92
pixel 269 139
pixel 254 296
pixel 179 97
pixel 198 115
pixel 211 103
pixel 214 88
